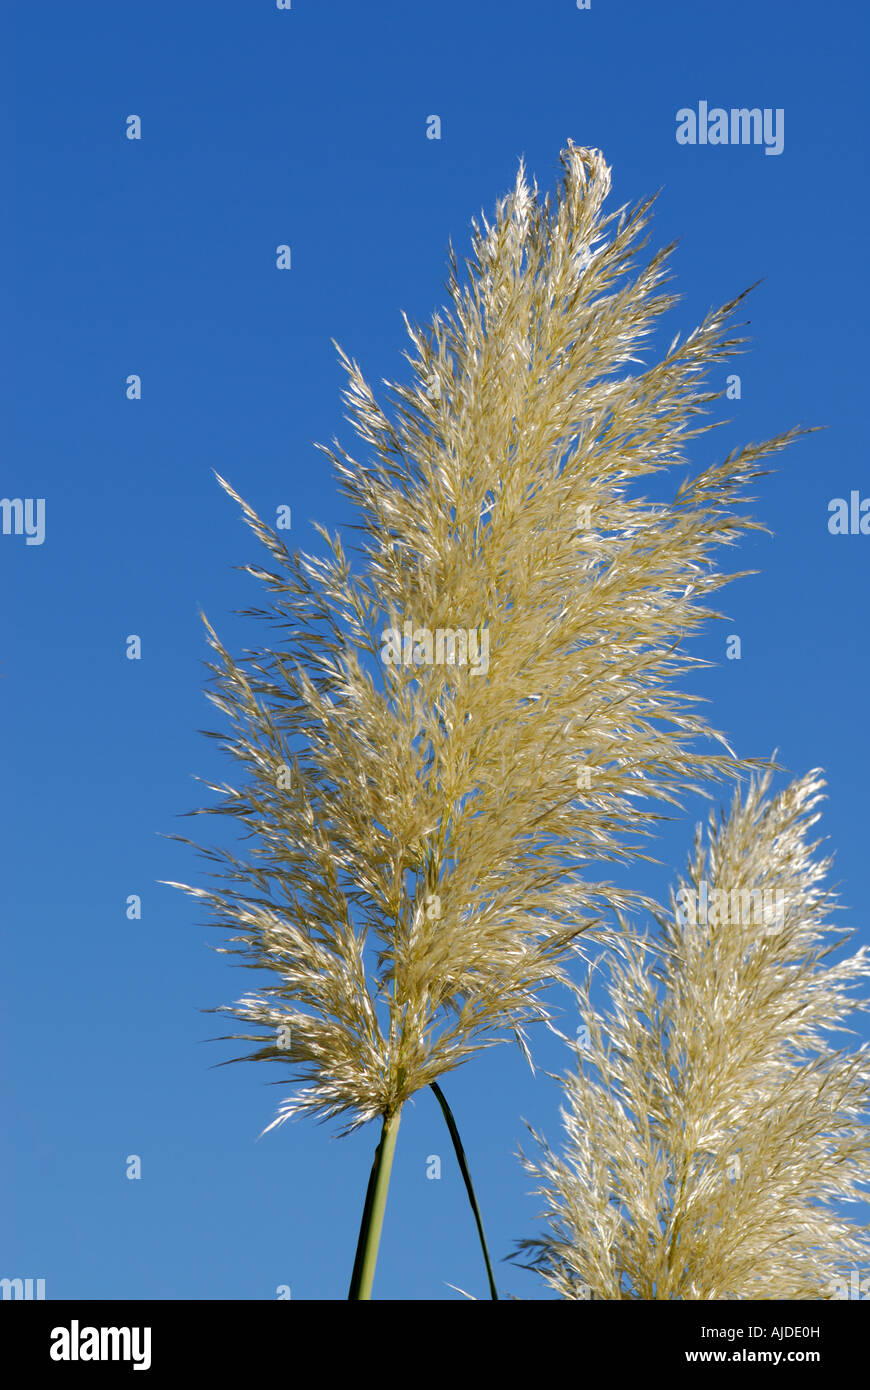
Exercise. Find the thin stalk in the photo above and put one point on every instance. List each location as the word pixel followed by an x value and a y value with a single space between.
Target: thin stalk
pixel 469 1186
pixel 373 1212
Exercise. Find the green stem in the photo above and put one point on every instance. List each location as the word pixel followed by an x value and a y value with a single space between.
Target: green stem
pixel 469 1186
pixel 373 1211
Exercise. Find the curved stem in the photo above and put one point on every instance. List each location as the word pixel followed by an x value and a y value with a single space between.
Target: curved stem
pixel 373 1211
pixel 469 1186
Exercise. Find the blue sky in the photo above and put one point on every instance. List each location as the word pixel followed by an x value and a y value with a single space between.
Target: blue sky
pixel 157 257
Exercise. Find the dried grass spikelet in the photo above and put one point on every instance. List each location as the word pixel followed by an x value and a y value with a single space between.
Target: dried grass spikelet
pixel 712 1125
pixel 419 875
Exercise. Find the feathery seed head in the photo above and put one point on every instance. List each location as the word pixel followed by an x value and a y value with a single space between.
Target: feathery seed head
pixel 713 1124
pixel 529 714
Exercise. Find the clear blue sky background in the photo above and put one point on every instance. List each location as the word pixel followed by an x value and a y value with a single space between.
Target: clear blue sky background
pixel 158 257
